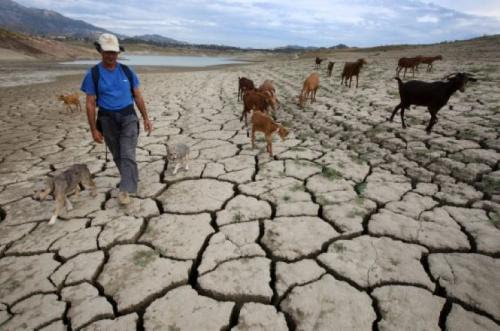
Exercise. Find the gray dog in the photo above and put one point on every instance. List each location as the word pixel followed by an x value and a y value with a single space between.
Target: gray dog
pixel 63 184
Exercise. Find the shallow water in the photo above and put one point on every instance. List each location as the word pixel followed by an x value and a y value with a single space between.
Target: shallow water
pixel 164 60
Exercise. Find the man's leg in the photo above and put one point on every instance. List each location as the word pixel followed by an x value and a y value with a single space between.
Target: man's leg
pixel 128 143
pixel 111 132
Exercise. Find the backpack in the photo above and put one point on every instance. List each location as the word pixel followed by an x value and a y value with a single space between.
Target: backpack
pixel 96 76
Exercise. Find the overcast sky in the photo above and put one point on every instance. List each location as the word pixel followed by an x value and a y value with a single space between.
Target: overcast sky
pixel 274 23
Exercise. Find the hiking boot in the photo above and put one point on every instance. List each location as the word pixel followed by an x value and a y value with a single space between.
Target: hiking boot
pixel 123 198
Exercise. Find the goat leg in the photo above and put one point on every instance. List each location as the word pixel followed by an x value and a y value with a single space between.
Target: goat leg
pixel 253 137
pixel 394 112
pixel 270 145
pixel 432 121
pixel 403 117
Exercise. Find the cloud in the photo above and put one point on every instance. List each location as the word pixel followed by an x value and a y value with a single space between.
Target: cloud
pixel 427 19
pixel 272 23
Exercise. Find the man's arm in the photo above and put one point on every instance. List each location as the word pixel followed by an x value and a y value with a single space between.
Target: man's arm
pixel 139 101
pixel 90 105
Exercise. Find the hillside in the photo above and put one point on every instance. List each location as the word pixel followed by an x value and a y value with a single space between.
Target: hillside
pixel 482 47
pixel 32 47
pixel 16 17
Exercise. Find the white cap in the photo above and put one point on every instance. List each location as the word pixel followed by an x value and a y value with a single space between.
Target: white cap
pixel 109 43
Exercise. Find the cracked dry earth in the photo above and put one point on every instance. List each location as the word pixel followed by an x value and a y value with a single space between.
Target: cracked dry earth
pixel 355 224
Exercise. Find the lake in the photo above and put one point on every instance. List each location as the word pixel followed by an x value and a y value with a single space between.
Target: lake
pixel 168 61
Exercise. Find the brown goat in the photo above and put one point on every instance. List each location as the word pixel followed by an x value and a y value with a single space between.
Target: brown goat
pixel 309 88
pixel 244 84
pixel 408 62
pixel 352 69
pixel 253 99
pixel 330 68
pixel 264 123
pixel 70 99
pixel 429 60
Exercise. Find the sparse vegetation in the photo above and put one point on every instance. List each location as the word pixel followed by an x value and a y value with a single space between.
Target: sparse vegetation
pixel 303 136
pixel 394 262
pixel 359 200
pixel 330 173
pixel 358 159
pixel 360 188
pixel 495 109
pixel 355 213
pixel 323 201
pixel 491 185
pixel 339 247
pixel 286 197
pixel 495 219
pixel 260 138
pixel 468 134
pixel 145 257
pixel 238 216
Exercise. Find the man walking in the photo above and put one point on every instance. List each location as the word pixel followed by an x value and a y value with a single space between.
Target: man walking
pixel 113 88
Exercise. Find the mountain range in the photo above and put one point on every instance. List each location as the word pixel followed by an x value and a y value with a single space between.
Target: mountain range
pixel 48 23
pixel 41 22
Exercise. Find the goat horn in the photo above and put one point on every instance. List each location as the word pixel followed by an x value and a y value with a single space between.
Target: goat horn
pixel 450 75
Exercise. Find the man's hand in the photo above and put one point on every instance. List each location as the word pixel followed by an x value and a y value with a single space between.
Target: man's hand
pixel 97 136
pixel 148 127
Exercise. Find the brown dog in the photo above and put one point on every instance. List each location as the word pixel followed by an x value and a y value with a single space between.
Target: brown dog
pixel 71 99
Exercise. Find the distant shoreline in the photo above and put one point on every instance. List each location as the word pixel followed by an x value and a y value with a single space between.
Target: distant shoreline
pixel 23 73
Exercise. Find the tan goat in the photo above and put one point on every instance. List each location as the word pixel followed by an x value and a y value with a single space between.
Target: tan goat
pixel 267 85
pixel 311 85
pixel 70 99
pixel 264 123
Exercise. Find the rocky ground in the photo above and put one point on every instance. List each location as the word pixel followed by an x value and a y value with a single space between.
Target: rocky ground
pixel 355 224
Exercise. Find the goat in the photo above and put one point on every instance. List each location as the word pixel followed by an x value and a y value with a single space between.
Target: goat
pixel 264 123
pixel 244 84
pixel 309 88
pixel 408 62
pixel 434 95
pixel 253 99
pixel 429 60
pixel 318 61
pixel 268 87
pixel 70 99
pixel 330 68
pixel 352 69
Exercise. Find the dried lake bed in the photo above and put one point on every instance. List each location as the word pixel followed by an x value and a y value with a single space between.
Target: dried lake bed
pixel 355 224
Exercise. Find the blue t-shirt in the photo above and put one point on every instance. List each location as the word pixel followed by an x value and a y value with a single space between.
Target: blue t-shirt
pixel 114 87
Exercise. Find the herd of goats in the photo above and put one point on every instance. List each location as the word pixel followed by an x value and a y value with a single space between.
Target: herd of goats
pixel 433 95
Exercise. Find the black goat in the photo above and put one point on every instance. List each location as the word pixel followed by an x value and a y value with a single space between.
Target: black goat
pixel 330 68
pixel 434 95
pixel 318 61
